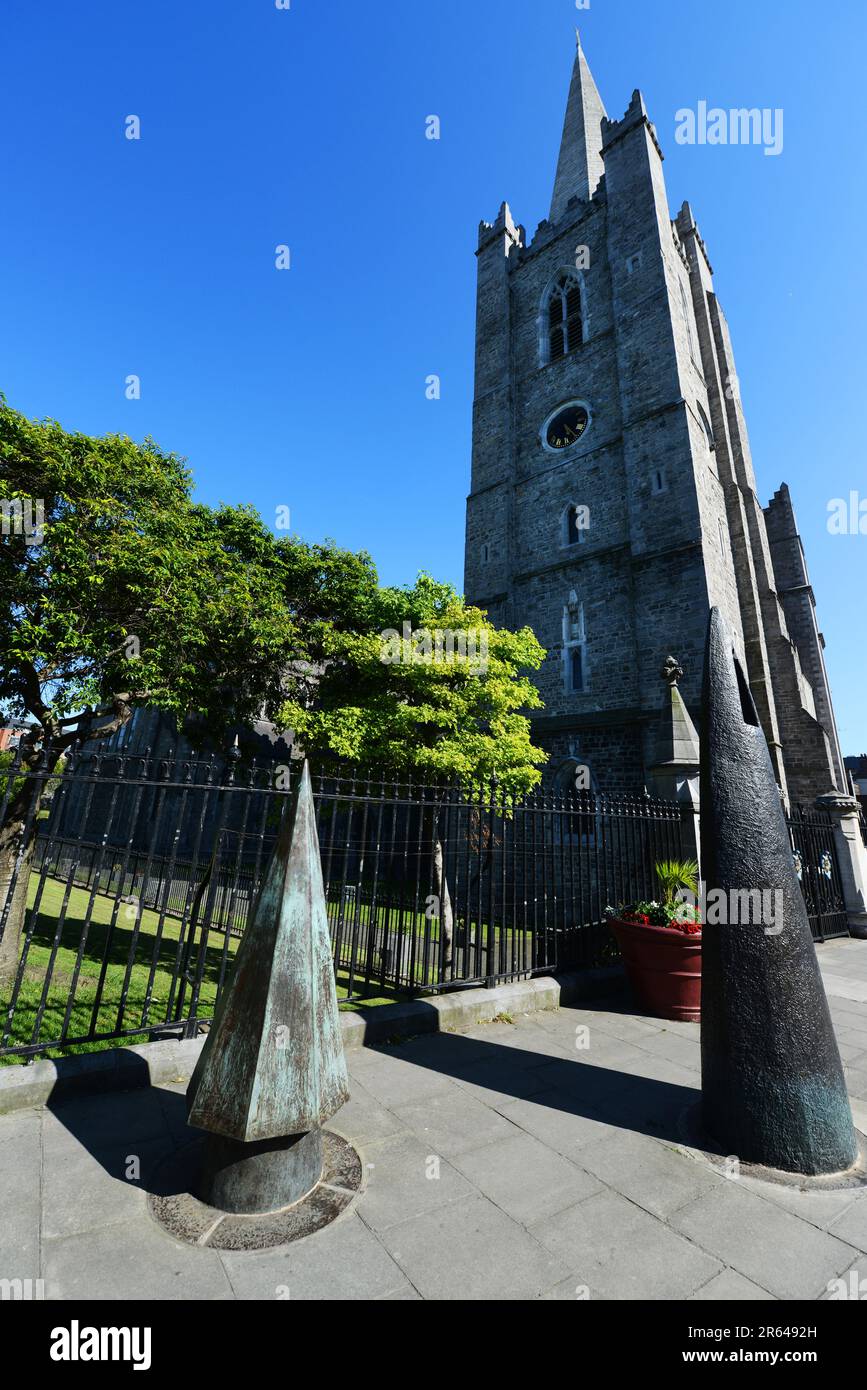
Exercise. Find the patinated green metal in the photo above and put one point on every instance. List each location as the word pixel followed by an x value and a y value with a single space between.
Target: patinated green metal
pixel 773 1091
pixel 272 1068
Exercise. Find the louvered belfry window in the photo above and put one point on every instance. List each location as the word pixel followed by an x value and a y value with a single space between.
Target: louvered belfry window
pixel 565 329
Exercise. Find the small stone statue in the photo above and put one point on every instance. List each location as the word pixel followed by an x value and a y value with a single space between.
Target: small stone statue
pixel 672 671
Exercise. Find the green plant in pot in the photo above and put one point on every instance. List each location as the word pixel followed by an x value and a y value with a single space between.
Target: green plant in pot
pixel 660 942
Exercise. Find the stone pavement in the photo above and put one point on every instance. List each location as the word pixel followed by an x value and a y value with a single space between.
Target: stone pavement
pixel 506 1163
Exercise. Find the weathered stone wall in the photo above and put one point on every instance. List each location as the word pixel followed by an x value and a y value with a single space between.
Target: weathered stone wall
pixel 812 748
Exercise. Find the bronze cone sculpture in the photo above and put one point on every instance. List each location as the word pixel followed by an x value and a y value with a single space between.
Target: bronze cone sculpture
pixel 773 1091
pixel 272 1070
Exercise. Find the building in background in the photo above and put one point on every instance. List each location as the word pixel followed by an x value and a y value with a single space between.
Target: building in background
pixel 857 769
pixel 11 736
pixel 613 499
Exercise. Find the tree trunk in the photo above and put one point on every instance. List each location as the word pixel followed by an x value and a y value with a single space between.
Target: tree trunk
pixel 17 845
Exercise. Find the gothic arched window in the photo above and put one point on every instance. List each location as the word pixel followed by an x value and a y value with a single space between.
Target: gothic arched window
pixel 574 647
pixel 574 522
pixel 563 318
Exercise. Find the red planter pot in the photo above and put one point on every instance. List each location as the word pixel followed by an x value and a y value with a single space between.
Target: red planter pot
pixel 664 968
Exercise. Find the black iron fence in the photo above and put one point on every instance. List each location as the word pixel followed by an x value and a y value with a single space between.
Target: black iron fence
pixel 815 851
pixel 144 868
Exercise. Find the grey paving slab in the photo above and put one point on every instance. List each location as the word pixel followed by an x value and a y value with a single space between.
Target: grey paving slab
pixel 554 1119
pixel 610 1053
pixel 446 1052
pixel 111 1122
pixel 676 1048
pixel 526 1178
pixel 20 1134
pixel 453 1121
pixel 851 1224
pixel 850 1286
pixel 856 1081
pixel 172 1102
pixel 496 1083
pixel 628 1027
pixel 571 1291
pixel 363 1120
pixel 780 1252
pixel 850 1037
pixel 403 1182
pixel 622 1252
pixel 652 1174
pixel 845 1006
pixel 691 1031
pixel 820 1209
pixel 84 1192
pixel 729 1286
pixel 652 1105
pixel 655 1068
pixel 345 1262
pixel 522 1045
pixel 583 1080
pixel 472 1250
pixel 845 986
pixel 20 1185
pixel 394 1081
pixel 133 1260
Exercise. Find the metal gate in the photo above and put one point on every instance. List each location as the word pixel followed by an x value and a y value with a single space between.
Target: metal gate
pixel 815 852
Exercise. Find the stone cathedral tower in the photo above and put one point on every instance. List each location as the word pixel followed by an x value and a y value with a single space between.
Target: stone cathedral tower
pixel 613 496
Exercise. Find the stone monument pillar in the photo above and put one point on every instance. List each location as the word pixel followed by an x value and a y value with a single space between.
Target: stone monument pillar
pixel 674 775
pixel 851 857
pixel 773 1091
pixel 272 1069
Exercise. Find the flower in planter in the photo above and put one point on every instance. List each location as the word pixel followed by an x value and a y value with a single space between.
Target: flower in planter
pixel 675 877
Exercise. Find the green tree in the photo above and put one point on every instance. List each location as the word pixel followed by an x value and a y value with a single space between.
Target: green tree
pixel 421 681
pixel 131 593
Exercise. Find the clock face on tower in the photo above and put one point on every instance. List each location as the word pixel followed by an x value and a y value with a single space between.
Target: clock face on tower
pixel 566 426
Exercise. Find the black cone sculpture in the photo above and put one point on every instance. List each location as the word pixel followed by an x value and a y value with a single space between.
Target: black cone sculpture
pixel 773 1091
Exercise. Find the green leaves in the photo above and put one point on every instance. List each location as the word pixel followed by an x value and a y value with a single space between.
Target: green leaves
pixel 136 594
pixel 674 875
pixel 127 554
pixel 413 678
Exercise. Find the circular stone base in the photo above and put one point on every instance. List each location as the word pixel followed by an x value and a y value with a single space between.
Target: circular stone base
pixel 187 1218
pixel 703 1149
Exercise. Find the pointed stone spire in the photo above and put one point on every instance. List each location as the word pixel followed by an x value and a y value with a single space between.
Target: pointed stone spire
pixel 580 165
pixel 676 738
pixel 273 1062
pixel 773 1090
pixel 674 770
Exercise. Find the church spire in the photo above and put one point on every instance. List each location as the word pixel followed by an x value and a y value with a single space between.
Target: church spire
pixel 580 165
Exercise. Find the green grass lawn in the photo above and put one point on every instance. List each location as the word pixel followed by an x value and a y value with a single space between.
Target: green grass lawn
pixel 134 992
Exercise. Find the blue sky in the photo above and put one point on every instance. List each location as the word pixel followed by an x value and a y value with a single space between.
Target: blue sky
pixel 306 127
